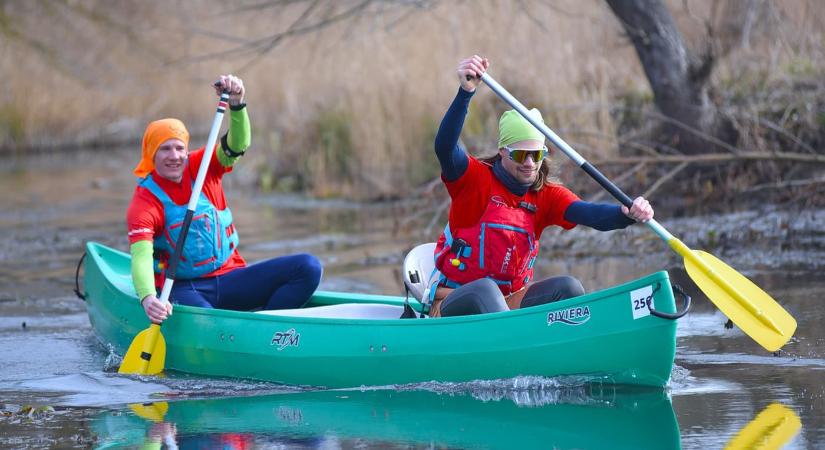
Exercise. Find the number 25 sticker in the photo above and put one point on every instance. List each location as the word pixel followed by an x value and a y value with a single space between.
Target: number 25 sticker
pixel 638 301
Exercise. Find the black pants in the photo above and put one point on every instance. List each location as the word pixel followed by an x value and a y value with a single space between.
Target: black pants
pixel 483 296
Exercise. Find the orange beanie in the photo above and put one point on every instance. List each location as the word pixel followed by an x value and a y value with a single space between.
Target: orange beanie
pixel 157 133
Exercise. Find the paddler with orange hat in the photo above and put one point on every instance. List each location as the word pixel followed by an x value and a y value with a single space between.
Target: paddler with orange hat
pixel 211 272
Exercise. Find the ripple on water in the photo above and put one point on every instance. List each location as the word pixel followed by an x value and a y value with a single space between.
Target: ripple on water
pixel 95 389
pixel 705 324
pixel 741 358
pixel 526 391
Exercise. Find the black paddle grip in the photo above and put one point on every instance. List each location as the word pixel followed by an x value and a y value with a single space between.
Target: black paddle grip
pixel 607 184
pixel 173 264
pixel 217 84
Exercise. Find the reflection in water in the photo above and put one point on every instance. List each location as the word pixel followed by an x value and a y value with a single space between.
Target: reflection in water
pixel 584 417
pixel 286 418
pixel 152 411
pixel 769 430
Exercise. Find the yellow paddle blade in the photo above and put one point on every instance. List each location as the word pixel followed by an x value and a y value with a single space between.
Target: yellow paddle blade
pixel 748 306
pixel 771 429
pixel 153 411
pixel 146 354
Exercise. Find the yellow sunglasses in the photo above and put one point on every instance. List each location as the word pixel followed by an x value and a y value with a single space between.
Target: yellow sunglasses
pixel 519 155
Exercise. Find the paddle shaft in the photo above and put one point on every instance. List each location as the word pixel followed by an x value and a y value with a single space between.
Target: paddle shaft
pixel 571 153
pixel 153 333
pixel 614 190
pixel 193 199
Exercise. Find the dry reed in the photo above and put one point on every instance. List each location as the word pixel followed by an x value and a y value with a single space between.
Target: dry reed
pixel 351 109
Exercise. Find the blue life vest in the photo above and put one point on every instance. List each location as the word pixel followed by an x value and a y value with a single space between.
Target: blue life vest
pixel 209 243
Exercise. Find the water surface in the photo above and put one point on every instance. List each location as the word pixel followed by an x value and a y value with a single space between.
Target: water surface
pixel 58 388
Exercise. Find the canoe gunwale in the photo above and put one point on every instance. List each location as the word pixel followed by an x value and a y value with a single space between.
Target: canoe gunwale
pixel 587 298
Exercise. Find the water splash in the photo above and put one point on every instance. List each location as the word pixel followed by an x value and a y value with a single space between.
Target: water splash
pixel 524 391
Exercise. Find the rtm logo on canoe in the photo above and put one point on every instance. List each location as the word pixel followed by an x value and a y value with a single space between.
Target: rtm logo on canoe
pixel 571 316
pixel 284 339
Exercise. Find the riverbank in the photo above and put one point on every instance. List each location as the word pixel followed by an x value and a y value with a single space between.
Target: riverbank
pixel 61 202
pixel 753 241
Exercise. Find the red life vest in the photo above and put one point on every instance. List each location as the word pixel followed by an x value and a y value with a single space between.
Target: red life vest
pixel 502 246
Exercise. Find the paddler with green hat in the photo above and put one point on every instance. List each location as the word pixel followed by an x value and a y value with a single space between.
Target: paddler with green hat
pixel 500 206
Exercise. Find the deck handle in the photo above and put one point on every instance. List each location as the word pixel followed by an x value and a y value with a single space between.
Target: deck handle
pixel 77 290
pixel 678 292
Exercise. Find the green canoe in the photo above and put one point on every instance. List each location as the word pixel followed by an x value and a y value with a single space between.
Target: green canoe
pixel 587 418
pixel 350 340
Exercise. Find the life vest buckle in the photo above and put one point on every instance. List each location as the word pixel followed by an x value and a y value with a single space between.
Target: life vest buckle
pixel 528 206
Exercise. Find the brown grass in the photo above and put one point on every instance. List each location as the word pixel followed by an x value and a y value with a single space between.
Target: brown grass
pixel 96 71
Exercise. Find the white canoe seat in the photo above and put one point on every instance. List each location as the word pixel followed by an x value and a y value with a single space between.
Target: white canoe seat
pixel 343 311
pixel 419 270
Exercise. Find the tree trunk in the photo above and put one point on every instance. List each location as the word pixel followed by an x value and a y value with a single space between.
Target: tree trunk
pixel 679 82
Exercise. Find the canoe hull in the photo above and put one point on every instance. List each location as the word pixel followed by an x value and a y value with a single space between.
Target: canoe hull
pixel 595 335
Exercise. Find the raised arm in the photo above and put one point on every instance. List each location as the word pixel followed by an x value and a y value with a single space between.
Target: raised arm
pixel 235 142
pixel 451 156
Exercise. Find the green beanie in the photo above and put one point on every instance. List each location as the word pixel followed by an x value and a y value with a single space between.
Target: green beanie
pixel 514 128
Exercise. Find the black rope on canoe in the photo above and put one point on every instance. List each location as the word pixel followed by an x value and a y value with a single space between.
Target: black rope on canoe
pixel 677 291
pixel 409 312
pixel 77 278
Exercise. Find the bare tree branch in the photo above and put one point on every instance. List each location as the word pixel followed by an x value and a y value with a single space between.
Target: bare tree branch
pixel 267 43
pixel 718 157
pixel 526 9
pixel 664 179
pixel 436 215
pixel 268 4
pixel 618 180
pixel 785 184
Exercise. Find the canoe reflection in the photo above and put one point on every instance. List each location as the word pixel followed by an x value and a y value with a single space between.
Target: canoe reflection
pixel 585 417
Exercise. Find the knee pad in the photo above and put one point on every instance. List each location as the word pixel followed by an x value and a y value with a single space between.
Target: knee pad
pixel 571 287
pixel 552 290
pixel 478 297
